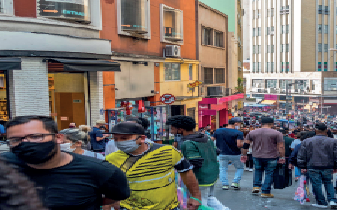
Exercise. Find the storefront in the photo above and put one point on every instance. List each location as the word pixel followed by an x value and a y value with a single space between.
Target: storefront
pixel 73 89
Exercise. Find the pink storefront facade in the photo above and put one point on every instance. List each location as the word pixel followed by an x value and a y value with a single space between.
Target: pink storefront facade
pixel 216 109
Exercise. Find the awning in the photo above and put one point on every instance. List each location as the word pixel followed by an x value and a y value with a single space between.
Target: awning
pixel 268 102
pixel 87 65
pixel 10 64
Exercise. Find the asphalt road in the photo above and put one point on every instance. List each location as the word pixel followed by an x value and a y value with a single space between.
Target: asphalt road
pixel 243 199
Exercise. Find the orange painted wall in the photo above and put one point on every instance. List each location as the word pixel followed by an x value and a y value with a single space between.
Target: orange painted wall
pixel 25 8
pixel 126 44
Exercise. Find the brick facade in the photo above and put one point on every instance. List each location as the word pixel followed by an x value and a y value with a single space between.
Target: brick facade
pixel 28 88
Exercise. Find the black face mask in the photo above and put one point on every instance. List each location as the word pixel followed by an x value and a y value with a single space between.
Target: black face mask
pixel 35 153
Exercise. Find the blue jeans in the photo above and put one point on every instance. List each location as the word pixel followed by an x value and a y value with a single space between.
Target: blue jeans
pixel 267 165
pixel 224 168
pixel 297 172
pixel 325 176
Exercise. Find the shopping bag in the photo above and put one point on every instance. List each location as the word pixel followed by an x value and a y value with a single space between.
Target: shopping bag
pixel 280 176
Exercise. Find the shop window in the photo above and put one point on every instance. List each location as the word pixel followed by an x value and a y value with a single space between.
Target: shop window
pixel 4 116
pixel 218 39
pixel 330 84
pixel 191 112
pixel 219 74
pixel 190 72
pixel 208 75
pixel 207 36
pixel 172 71
pixel 171 25
pixel 71 10
pixel 271 83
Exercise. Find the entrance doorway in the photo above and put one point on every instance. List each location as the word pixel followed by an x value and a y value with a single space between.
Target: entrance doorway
pixel 67 98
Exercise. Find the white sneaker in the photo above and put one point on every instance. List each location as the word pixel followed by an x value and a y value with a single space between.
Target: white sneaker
pixel 246 169
pixel 320 206
pixel 250 170
pixel 333 205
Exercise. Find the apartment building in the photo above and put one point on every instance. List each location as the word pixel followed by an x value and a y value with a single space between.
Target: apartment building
pixel 286 47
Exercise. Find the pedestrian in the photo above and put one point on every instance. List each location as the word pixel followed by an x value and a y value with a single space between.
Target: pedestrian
pixel 77 138
pixel 97 138
pixel 149 168
pixel 318 156
pixel 65 181
pixel 86 129
pixel 249 162
pixel 17 192
pixel 200 151
pixel 300 137
pixel 268 146
pixel 287 144
pixel 229 141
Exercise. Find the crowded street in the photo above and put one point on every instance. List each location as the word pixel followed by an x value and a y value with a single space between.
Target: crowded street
pixel 168 105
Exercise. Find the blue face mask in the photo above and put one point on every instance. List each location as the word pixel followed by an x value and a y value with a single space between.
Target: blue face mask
pixel 177 138
pixel 127 146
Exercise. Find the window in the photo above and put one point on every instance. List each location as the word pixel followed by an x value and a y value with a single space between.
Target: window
pixel 287 48
pixel 330 84
pixel 287 67
pixel 191 112
pixel 283 84
pixel 172 71
pixel 253 14
pixel 272 12
pixel 301 84
pixel 268 49
pixel 267 67
pixel 134 16
pixel 313 86
pixel 268 30
pixel 271 83
pixel 259 49
pixel 259 31
pixel 272 29
pixel 319 9
pixel 326 29
pixel 325 66
pixel 73 10
pixel 208 75
pixel 326 47
pixel 172 24
pixel 272 66
pixel 190 72
pixel 218 39
pixel 319 66
pixel 253 49
pixel 219 74
pixel 327 11
pixel 207 36
pixel 258 15
pixel 285 29
pixel 320 28
pixel 319 47
pixel 268 13
pixel 254 67
pixel 259 70
pixel 1 6
pixel 258 84
pixel 255 35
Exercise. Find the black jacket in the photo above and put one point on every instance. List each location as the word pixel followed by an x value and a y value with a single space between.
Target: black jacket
pixel 293 156
pixel 319 152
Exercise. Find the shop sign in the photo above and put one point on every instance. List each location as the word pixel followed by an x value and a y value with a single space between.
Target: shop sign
pixel 195 84
pixel 77 101
pixel 167 99
pixel 64 118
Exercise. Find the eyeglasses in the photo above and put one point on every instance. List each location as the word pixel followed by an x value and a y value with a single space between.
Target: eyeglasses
pixel 15 141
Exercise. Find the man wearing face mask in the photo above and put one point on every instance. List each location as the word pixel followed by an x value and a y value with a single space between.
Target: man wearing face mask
pixel 64 181
pixel 149 168
pixel 229 141
pixel 97 138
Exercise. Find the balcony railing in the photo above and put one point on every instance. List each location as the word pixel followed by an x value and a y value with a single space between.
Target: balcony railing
pixel 215 91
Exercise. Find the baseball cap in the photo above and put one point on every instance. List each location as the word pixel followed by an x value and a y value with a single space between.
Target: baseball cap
pixel 321 126
pixel 128 128
pixel 101 122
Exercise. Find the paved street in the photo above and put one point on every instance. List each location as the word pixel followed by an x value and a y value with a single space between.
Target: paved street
pixel 244 200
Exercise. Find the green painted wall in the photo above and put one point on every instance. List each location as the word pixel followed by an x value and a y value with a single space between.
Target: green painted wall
pixel 225 6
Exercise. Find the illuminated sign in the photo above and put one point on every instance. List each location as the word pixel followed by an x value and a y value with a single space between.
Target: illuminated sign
pixel 78 10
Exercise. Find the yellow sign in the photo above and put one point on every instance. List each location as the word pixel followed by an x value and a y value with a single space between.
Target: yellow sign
pixel 195 84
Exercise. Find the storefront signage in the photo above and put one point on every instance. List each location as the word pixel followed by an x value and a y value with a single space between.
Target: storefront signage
pixel 64 118
pixel 77 101
pixel 167 99
pixel 195 84
pixel 65 9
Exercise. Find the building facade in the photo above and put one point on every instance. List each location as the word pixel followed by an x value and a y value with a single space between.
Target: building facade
pixel 51 60
pixel 246 28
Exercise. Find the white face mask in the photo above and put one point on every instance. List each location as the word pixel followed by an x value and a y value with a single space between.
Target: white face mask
pixel 237 127
pixel 66 147
pixel 127 146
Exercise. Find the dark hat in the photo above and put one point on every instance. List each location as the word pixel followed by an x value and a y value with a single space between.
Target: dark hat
pixel 128 128
pixel 266 120
pixel 321 126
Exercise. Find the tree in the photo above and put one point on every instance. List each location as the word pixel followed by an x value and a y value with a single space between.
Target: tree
pixel 239 88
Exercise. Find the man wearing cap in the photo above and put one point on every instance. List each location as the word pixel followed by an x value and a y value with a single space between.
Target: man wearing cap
pixel 318 156
pixel 96 137
pixel 229 141
pixel 149 168
pixel 268 146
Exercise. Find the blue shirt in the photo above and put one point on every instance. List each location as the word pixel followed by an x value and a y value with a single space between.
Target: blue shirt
pixel 2 129
pixel 97 145
pixel 226 141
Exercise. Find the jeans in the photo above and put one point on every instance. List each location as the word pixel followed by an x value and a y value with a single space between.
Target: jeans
pixel 267 165
pixel 249 162
pixel 325 176
pixel 297 172
pixel 224 168
pixel 205 193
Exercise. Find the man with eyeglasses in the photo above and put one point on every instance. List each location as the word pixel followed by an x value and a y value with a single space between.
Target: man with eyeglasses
pixel 63 180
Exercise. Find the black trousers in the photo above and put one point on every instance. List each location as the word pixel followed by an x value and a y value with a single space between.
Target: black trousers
pixel 249 162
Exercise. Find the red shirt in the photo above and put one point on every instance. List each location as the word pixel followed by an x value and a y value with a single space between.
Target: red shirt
pixel 292 135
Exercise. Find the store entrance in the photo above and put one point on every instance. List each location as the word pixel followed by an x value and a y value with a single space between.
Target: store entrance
pixel 67 98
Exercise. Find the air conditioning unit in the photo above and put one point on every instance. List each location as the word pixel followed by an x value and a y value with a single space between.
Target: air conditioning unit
pixel 173 51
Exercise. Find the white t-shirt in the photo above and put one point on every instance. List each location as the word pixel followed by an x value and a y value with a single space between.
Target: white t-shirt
pixel 93 154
